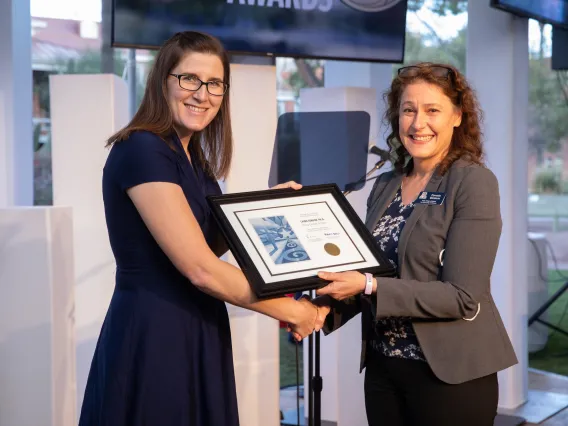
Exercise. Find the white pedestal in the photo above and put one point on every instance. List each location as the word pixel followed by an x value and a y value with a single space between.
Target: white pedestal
pixel 85 111
pixel 497 52
pixel 255 336
pixel 37 352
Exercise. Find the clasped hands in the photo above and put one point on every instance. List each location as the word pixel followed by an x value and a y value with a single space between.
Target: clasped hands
pixel 342 285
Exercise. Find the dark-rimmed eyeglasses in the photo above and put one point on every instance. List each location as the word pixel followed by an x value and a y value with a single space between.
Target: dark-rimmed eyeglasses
pixel 193 84
pixel 439 71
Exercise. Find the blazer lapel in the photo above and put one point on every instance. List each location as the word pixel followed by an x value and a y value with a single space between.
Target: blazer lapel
pixel 381 202
pixel 433 185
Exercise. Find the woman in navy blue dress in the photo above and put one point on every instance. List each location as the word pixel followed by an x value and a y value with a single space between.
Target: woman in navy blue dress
pixel 164 353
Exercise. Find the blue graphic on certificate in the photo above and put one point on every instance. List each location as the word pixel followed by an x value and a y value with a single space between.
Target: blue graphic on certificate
pixel 279 239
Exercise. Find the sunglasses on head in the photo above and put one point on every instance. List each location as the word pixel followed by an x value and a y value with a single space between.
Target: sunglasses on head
pixel 436 70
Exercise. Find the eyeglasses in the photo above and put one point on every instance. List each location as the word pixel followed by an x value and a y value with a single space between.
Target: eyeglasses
pixel 436 70
pixel 193 84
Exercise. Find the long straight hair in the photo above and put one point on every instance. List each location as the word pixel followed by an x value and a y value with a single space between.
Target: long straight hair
pixel 214 144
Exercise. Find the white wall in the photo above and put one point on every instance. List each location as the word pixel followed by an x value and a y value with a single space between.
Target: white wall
pixel 255 337
pixel 85 111
pixel 37 351
pixel 497 68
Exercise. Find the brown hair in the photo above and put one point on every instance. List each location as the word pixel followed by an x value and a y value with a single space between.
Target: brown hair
pixel 466 139
pixel 214 144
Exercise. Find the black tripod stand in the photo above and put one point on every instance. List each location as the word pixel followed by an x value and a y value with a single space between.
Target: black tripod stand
pixel 536 316
pixel 315 381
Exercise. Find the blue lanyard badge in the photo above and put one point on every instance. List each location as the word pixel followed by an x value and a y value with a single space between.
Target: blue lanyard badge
pixel 431 198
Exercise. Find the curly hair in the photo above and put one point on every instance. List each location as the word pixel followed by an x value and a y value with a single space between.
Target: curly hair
pixel 467 138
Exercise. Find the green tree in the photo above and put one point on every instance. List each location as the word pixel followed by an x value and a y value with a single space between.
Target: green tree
pixel 309 73
pixel 425 48
pixel 440 7
pixel 89 62
pixel 548 106
pixel 548 103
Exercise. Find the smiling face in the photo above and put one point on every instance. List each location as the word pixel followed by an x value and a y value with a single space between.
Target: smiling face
pixel 192 111
pixel 427 119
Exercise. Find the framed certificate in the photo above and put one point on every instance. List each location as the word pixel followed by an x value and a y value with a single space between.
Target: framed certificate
pixel 281 238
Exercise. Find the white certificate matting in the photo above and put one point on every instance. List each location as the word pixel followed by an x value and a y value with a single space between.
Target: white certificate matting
pixel 296 237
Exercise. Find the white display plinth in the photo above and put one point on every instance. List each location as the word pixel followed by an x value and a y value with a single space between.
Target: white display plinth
pixel 37 308
pixel 85 111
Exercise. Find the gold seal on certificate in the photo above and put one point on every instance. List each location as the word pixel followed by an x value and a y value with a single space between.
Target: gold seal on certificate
pixel 282 238
pixel 332 249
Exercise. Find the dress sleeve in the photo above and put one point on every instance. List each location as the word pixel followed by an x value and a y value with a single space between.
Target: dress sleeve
pixel 143 158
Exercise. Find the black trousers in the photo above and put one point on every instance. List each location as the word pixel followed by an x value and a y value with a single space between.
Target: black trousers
pixel 401 392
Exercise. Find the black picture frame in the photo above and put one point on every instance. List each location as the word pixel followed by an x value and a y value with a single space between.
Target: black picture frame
pixel 261 288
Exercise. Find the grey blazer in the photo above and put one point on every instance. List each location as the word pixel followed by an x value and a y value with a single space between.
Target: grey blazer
pixel 445 255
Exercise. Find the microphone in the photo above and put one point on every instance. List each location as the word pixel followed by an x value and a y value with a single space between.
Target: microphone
pixel 384 157
pixel 383 154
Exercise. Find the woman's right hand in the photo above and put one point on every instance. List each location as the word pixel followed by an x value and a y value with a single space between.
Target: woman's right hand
pixel 312 318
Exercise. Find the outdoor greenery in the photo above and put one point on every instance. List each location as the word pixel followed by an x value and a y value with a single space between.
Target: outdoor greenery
pixel 549 181
pixel 553 357
pixel 548 105
pixel 440 7
pixel 288 360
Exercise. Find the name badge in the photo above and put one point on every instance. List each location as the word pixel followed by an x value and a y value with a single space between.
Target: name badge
pixel 431 198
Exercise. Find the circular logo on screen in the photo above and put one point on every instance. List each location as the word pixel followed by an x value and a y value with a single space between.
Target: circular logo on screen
pixel 371 5
pixel 332 249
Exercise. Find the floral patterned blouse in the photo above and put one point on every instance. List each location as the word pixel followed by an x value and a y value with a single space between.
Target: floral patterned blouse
pixel 394 336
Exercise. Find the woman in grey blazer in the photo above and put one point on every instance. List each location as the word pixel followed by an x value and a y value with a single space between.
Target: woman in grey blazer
pixel 433 339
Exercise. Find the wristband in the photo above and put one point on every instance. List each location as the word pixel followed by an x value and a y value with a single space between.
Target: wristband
pixel 368 284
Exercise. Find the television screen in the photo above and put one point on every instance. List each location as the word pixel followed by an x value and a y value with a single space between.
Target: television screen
pixel 355 30
pixel 554 12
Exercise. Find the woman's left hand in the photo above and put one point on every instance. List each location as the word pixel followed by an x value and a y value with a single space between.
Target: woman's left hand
pixel 343 284
pixel 289 184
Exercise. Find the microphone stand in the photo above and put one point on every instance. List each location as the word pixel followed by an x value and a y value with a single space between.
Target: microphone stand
pixel 315 381
pixel 377 166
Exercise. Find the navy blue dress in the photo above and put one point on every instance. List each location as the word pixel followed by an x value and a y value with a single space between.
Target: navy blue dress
pixel 164 354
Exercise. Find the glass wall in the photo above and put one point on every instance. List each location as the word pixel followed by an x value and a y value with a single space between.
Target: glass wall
pixel 548 195
pixel 64 45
